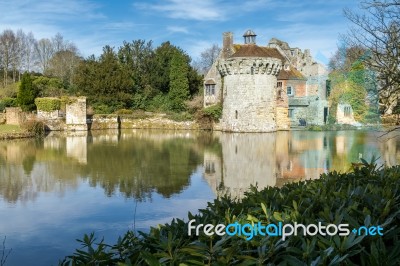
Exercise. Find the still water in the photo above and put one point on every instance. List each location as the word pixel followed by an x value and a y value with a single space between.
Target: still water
pixel 53 191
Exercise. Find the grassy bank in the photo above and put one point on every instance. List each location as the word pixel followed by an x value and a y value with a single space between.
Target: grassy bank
pixel 14 132
pixel 366 197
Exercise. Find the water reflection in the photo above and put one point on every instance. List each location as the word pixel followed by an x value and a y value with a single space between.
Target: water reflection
pixel 54 190
pixel 277 158
pixel 137 163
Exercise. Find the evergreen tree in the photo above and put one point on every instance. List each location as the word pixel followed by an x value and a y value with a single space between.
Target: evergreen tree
pixel 27 93
pixel 178 82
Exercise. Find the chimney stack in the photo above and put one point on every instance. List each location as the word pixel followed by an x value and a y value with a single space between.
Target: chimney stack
pixel 227 44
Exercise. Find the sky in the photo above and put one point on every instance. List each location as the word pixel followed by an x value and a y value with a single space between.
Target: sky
pixel 192 25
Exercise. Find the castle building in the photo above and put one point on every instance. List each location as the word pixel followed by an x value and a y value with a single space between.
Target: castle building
pixel 265 88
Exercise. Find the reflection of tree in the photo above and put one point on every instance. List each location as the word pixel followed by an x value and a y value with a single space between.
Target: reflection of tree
pixel 135 165
pixel 139 166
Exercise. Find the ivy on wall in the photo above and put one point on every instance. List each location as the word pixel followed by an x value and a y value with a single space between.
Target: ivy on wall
pixel 48 104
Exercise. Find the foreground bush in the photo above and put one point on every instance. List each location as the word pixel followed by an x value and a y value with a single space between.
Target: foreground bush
pixel 368 196
pixel 35 127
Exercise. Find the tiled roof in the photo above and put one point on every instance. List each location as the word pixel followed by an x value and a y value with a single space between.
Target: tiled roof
pixel 292 73
pixel 252 50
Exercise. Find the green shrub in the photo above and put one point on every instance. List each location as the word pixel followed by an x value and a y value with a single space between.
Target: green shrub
pixel 368 196
pixel 48 104
pixel 7 102
pixel 214 112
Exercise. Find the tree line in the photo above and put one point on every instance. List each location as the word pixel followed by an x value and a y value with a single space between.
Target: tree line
pixel 135 75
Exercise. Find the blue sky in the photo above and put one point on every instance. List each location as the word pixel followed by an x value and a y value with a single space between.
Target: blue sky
pixel 191 25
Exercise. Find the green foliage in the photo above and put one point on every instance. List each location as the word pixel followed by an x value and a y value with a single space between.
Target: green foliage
pixel 48 104
pixel 367 196
pixel 49 87
pixel 178 83
pixel 27 93
pixel 214 112
pixel 8 102
pixel 352 83
pixel 136 76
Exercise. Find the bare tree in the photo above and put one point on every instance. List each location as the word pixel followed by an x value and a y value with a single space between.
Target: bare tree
pixel 63 64
pixel 207 58
pixel 44 51
pixel 7 47
pixel 29 44
pixel 377 29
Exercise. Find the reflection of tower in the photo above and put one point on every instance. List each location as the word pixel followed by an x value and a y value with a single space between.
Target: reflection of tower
pixel 76 145
pixel 248 159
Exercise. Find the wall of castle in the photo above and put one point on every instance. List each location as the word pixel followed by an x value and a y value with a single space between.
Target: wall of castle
pixel 214 75
pixel 300 88
pixel 312 112
pixel 249 94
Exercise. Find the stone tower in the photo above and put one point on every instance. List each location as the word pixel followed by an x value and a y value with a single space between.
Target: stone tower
pixel 249 78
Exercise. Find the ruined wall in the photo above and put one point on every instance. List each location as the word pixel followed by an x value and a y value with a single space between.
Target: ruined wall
pixel 344 116
pixel 75 114
pixel 249 94
pixel 14 116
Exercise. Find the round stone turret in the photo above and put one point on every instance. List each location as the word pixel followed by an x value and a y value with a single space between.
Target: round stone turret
pixel 249 93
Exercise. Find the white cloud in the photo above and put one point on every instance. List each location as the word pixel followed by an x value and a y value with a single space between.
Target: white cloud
pixel 177 29
pixel 205 10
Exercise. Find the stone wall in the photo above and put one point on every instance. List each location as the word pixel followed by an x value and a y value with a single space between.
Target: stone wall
pixel 158 122
pixel 75 114
pixel 213 75
pixel 345 117
pixel 14 116
pixel 309 108
pixel 2 118
pixel 249 95
pixel 47 115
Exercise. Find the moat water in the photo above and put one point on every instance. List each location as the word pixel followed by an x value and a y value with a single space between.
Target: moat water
pixel 55 190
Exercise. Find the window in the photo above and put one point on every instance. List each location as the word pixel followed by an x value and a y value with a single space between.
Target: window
pixel 279 84
pixel 347 111
pixel 290 90
pixel 291 113
pixel 279 96
pixel 236 114
pixel 210 89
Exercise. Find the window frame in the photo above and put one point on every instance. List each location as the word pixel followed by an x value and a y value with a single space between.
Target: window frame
pixel 291 90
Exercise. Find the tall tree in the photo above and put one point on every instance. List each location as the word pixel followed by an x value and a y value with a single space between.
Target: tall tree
pixel 178 82
pixel 377 30
pixel 27 93
pixel 29 43
pixel 8 44
pixel 44 51
pixel 62 65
